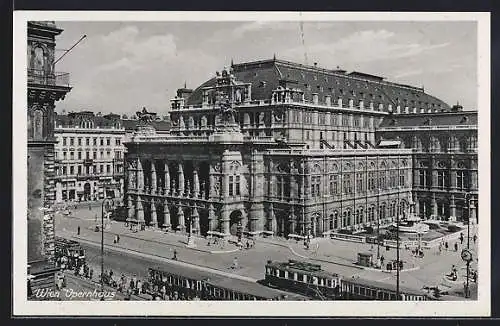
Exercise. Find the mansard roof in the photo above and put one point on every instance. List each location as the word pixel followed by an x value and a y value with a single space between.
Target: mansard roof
pixel 159 125
pixel 463 118
pixel 74 119
pixel 267 75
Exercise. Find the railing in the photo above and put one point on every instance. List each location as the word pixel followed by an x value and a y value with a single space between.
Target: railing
pixel 43 77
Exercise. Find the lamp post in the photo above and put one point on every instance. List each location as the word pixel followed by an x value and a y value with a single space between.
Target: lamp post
pixel 106 200
pixel 466 254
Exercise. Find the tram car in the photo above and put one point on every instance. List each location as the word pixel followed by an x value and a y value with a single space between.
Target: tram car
pixel 303 278
pixel 310 280
pixel 362 289
pixel 72 251
pixel 191 284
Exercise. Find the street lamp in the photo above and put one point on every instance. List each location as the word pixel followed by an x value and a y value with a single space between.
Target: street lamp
pixel 106 200
pixel 466 253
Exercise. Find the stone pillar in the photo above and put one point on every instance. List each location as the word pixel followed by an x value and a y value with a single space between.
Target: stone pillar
pixel 167 179
pixel 473 180
pixel 212 220
pixel 131 209
pixel 166 216
pixel 417 206
pixel 292 221
pixel 140 176
pixel 224 221
pixel 154 218
pixel 271 219
pixel 140 211
pixel 154 185
pixel 131 176
pixel 453 180
pixel 180 186
pixel 453 209
pixel 182 222
pixel 434 206
pixel 195 218
pixel 256 215
pixel 196 183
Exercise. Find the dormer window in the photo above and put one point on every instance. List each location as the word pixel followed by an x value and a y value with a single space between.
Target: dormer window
pixel 464 119
pixel 262 84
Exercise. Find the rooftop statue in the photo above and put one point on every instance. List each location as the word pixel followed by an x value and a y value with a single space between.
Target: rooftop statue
pixel 145 117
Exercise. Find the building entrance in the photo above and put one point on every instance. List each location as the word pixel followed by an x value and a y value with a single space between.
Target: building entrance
pixel 234 221
pixel 86 191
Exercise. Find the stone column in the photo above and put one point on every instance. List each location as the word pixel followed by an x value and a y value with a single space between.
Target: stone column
pixel 131 209
pixel 196 182
pixel 417 206
pixel 130 172
pixel 140 176
pixel 212 220
pixel 453 179
pixel 293 222
pixel 166 216
pixel 154 185
pixel 224 221
pixel 453 209
pixel 140 211
pixel 473 181
pixel 167 179
pixel 195 221
pixel 180 186
pixel 182 222
pixel 154 217
pixel 271 219
pixel 434 206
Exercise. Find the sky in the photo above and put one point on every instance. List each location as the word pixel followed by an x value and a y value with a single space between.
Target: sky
pixel 121 67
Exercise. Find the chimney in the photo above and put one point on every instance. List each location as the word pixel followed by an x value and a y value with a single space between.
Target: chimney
pixel 457 108
pixel 184 92
pixel 315 64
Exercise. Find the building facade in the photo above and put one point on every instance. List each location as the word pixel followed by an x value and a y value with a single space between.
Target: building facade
pixel 264 148
pixel 89 155
pixel 45 87
pixel 445 161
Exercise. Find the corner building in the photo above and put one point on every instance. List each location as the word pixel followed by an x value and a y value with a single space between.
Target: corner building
pixel 45 88
pixel 445 161
pixel 274 147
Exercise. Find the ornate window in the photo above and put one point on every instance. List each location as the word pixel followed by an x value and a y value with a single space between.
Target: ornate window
pixel 442 179
pixel 381 179
pixel 402 178
pixel 359 182
pixel 348 183
pixel 462 179
pixel 334 184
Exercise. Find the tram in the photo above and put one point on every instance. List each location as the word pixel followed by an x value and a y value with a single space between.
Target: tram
pixel 310 280
pixel 192 284
pixel 362 289
pixel 70 250
pixel 304 278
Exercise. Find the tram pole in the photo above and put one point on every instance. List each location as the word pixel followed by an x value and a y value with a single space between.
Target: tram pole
pixel 102 246
pixel 467 294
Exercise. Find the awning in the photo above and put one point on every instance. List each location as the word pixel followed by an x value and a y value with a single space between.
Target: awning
pixel 389 143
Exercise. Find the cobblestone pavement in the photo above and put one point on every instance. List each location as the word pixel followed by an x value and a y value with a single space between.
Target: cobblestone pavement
pixel 334 255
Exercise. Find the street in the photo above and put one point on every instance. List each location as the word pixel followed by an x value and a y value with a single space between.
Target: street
pixel 334 255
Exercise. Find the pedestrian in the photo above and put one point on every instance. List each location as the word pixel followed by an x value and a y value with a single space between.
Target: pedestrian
pixel 78 230
pixel 114 239
pixel 175 254
pixel 382 259
pixel 474 238
pixel 248 245
pixel 456 246
pixel 117 238
pixel 139 287
pixel 131 284
pixel 446 245
pixel 235 263
pixel 461 238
